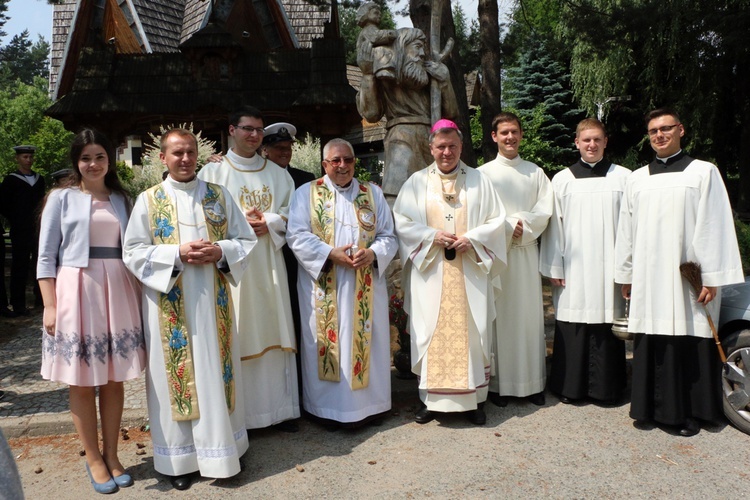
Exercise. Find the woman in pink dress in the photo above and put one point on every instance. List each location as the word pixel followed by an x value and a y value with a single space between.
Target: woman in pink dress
pixel 92 317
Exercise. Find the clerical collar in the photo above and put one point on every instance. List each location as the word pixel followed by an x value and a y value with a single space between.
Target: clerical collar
pixel 255 163
pixel 583 170
pixel 181 185
pixel 675 163
pixel 669 159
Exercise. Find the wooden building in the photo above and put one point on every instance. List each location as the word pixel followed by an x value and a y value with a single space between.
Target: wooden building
pixel 128 67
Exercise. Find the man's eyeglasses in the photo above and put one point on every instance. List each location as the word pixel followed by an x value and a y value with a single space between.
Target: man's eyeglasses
pixel 335 162
pixel 664 130
pixel 249 129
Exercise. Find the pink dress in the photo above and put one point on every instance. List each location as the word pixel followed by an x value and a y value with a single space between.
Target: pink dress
pixel 98 335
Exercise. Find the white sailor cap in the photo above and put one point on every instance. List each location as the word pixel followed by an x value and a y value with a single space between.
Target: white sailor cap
pixel 278 132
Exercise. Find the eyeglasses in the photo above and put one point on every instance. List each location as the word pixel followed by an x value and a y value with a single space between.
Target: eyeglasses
pixel 335 162
pixel 664 130
pixel 249 129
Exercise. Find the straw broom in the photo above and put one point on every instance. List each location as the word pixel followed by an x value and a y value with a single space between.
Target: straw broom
pixel 691 271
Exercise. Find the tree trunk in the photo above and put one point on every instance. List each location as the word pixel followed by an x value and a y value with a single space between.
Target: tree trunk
pixel 419 12
pixel 489 97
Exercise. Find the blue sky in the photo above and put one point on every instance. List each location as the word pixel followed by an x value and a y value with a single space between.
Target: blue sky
pixel 34 15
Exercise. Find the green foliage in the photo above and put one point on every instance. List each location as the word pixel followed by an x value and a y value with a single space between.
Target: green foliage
pixel 306 155
pixel 534 147
pixel 23 60
pixel 538 88
pixel 350 29
pixel 143 177
pixel 477 135
pixel 743 239
pixel 53 147
pixel 467 40
pixel 22 115
pixel 124 172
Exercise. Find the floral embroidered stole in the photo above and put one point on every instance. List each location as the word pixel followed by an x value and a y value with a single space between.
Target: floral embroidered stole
pixel 178 355
pixel 322 210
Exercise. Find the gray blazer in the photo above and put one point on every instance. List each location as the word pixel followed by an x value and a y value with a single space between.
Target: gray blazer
pixel 64 231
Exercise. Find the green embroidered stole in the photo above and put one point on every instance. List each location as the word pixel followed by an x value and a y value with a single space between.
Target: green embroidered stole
pixel 178 355
pixel 322 210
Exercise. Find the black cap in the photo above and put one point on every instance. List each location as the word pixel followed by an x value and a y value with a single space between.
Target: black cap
pixel 25 149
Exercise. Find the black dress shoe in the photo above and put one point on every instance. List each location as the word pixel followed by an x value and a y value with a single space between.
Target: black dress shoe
pixel 4 311
pixel 181 482
pixel 498 400
pixel 287 426
pixel 423 416
pixel 477 417
pixel 643 425
pixel 565 400
pixel 690 428
pixel 537 399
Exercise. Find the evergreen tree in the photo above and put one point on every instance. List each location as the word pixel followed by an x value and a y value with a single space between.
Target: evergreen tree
pixel 538 88
pixel 467 40
pixel 23 60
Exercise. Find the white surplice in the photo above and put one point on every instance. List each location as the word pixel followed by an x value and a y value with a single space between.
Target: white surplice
pixel 579 246
pixel 667 219
pixel 336 400
pixel 262 306
pixel 423 276
pixel 519 347
pixel 213 443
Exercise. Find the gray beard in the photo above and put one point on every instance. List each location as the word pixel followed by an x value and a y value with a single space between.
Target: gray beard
pixel 413 75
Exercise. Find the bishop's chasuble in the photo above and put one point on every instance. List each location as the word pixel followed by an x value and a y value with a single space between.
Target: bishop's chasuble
pixel 263 309
pixel 449 297
pixel 194 391
pixel 346 358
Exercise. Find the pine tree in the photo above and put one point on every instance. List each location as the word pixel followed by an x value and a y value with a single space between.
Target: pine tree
pixel 23 60
pixel 538 88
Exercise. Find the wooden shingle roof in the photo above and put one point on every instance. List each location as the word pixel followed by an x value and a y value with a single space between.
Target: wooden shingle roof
pixel 162 22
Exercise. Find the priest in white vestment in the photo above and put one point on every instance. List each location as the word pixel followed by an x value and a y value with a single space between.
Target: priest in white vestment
pixel 341 232
pixel 519 347
pixel 449 223
pixel 185 241
pixel 578 254
pixel 262 305
pixel 674 210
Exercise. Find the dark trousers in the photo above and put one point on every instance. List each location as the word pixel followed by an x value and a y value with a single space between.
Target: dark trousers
pixel 24 251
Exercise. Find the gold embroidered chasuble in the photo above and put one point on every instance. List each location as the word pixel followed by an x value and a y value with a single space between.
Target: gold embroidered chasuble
pixel 448 352
pixel 323 221
pixel 178 356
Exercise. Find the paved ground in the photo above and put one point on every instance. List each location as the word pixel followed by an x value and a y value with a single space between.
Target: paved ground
pixel 558 451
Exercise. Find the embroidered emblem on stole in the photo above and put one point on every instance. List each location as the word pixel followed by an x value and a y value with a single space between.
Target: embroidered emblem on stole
pixel 322 210
pixel 178 355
